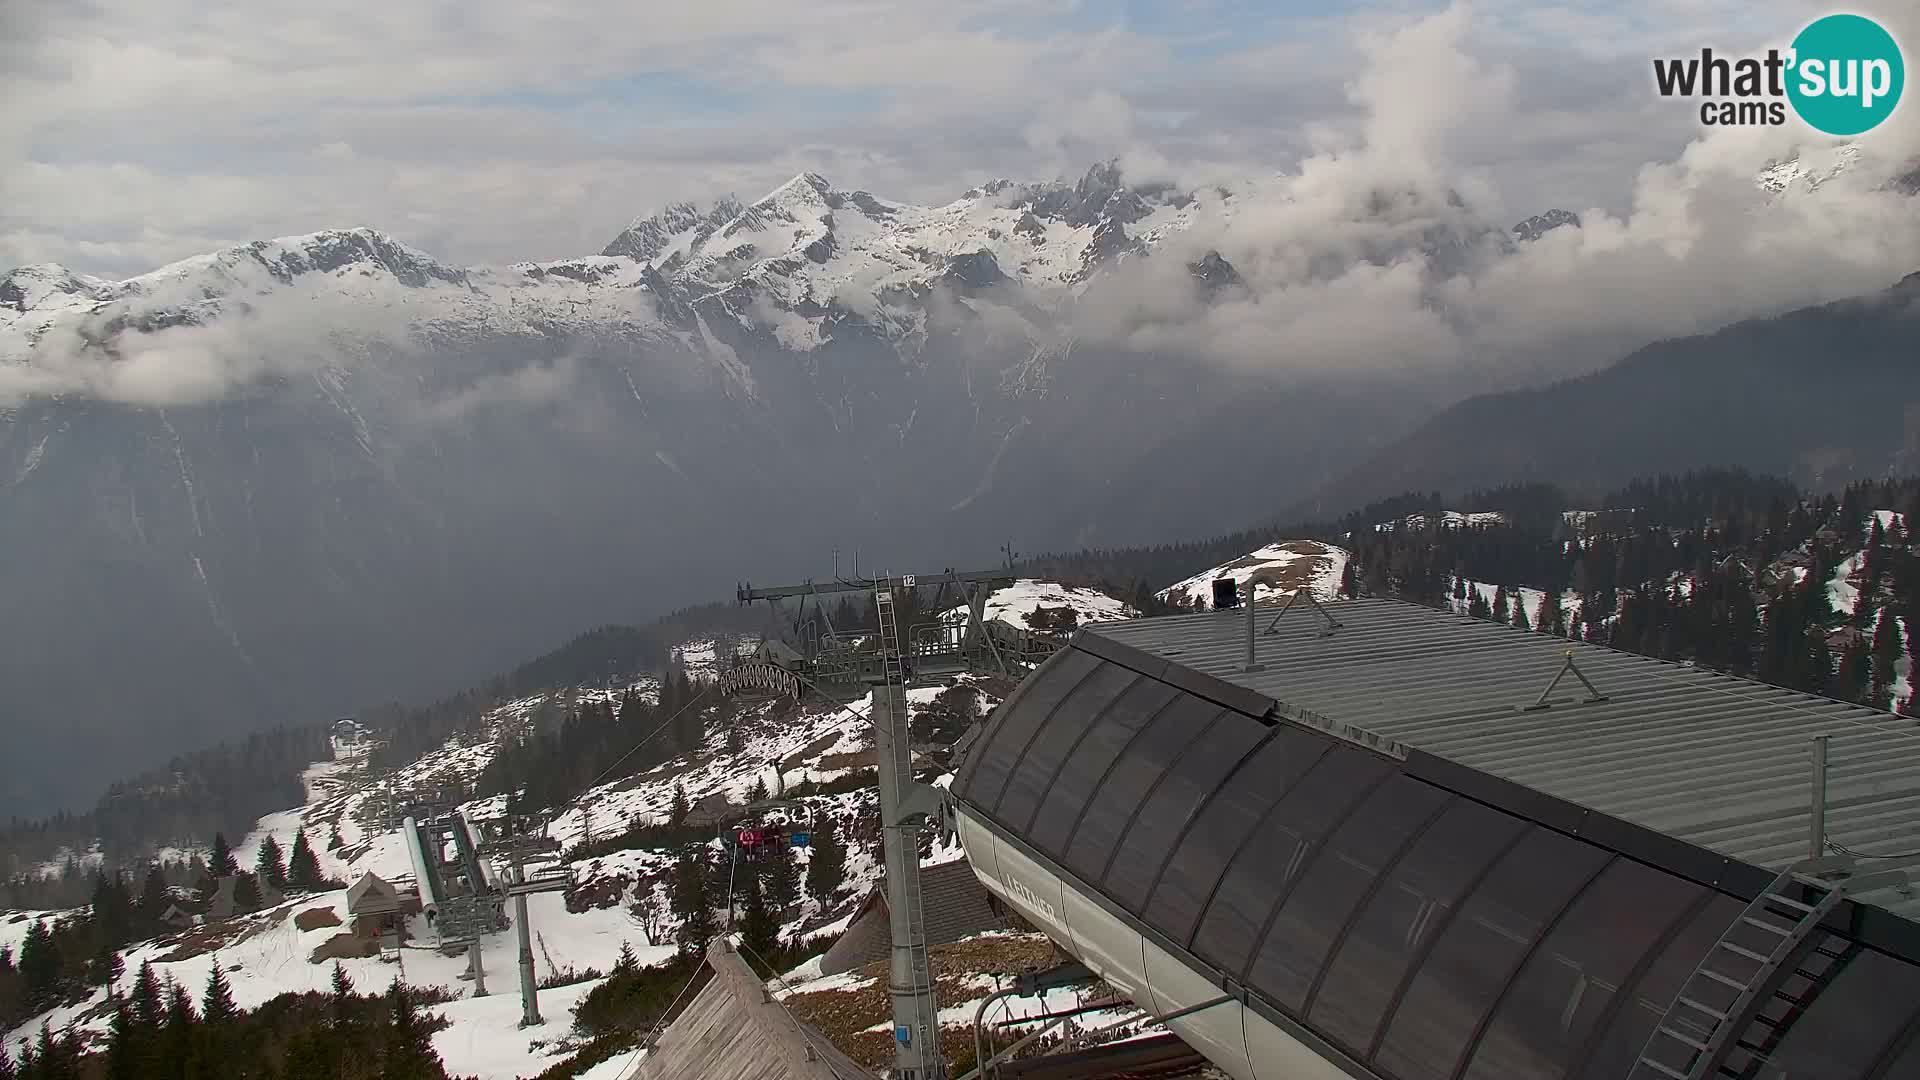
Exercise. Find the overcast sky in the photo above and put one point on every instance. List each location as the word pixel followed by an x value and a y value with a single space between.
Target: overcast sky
pixel 136 133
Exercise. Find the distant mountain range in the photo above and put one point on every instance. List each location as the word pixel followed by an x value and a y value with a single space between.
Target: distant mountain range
pixel 292 478
pixel 1824 396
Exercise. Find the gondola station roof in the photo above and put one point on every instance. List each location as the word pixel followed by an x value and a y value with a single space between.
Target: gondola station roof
pixel 1413 856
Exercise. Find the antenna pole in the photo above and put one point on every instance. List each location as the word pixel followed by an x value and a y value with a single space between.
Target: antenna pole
pixel 1817 825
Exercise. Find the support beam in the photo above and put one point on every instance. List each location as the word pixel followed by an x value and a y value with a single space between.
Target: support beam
pixel 747 594
pixel 529 986
pixel 916 1017
pixel 479 969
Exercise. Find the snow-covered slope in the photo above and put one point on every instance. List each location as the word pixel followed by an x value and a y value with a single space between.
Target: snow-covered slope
pixel 1300 564
pixel 266 953
pixel 1017 604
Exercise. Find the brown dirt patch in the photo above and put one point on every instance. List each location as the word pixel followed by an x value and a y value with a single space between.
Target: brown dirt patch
pixel 316 918
pixel 807 752
pixel 833 762
pixel 844 1015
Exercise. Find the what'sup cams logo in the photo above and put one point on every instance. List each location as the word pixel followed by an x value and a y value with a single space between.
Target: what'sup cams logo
pixel 1842 76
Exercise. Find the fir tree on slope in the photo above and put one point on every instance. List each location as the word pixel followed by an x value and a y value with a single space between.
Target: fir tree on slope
pixel 1886 657
pixel 154 896
pixel 221 862
pixel 303 869
pixel 783 879
pixel 270 867
pixel 408 1054
pixel 691 902
pixel 759 930
pixel 246 894
pixel 827 861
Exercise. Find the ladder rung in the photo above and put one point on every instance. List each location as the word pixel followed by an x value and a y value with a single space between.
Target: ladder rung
pixel 1787 901
pixel 1692 1004
pixel 1663 1070
pixel 1722 979
pixel 1676 1036
pixel 1772 928
pixel 1738 951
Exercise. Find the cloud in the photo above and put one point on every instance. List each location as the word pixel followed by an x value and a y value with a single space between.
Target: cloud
pixel 140 135
pixel 533 385
pixel 1365 258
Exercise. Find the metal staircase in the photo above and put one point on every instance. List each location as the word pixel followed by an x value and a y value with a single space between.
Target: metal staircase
pixel 1766 944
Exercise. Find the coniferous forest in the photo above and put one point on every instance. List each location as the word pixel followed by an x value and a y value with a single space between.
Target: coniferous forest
pixel 161 1030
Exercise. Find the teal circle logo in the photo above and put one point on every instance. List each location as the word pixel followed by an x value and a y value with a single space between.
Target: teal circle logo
pixel 1847 74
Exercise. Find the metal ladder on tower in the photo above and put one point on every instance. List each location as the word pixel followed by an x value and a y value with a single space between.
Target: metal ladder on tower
pixel 1763 945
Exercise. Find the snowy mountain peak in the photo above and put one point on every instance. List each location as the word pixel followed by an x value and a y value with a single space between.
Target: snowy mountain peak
pixel 28 287
pixel 1541 224
pixel 331 251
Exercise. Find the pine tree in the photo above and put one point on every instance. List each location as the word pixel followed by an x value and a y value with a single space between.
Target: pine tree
pixel 270 867
pixel 6 1063
pixel 246 893
pixel 692 903
pixel 759 931
pixel 827 861
pixel 1853 679
pixel 177 1039
pixel 677 812
pixel 154 895
pixel 626 963
pixel 782 879
pixel 105 969
pixel 1549 619
pixel 221 863
pixel 216 1004
pixel 39 963
pixel 334 840
pixel 1499 613
pixel 1477 605
pixel 408 1054
pixel 52 1056
pixel 1818 676
pixel 123 1049
pixel 149 1008
pixel 303 869
pixel 1520 621
pixel 1887 648
pixel 341 1000
pixel 758 792
pixel 1349 583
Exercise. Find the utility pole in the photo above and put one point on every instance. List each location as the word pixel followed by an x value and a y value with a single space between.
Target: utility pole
pixel 904 803
pixel 516 842
pixel 916 1016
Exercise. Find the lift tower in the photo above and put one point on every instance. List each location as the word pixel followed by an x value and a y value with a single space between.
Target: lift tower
pixel 885 665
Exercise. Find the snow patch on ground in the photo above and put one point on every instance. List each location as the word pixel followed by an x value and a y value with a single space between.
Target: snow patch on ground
pixel 1302 564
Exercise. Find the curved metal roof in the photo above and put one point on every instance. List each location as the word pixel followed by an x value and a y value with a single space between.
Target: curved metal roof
pixel 1427 918
pixel 1707 758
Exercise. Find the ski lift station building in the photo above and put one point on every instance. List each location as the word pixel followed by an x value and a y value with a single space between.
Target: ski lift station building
pixel 1381 841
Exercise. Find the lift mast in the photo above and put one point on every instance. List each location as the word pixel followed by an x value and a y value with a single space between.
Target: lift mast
pixel 904 803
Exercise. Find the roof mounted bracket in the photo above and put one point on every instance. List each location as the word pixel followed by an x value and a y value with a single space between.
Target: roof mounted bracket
pixel 1595 697
pixel 1332 623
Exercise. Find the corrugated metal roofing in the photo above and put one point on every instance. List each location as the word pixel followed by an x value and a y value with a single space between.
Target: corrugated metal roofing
pixel 1717 761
